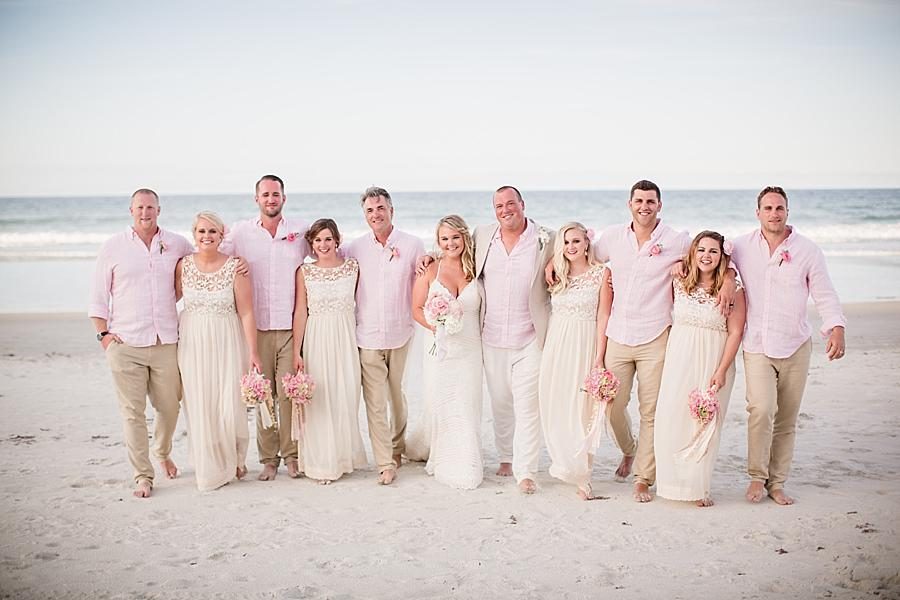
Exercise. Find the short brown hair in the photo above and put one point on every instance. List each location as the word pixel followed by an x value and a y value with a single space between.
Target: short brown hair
pixel 145 191
pixel 503 188
pixel 772 189
pixel 321 225
pixel 375 192
pixel 270 178
pixel 645 185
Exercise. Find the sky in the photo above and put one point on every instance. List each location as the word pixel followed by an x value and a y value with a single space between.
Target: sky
pixel 100 98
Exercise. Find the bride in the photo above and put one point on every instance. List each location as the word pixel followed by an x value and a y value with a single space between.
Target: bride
pixel 452 365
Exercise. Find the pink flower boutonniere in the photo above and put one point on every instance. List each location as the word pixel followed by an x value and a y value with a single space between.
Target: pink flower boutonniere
pixel 656 249
pixel 785 257
pixel 162 247
pixel 291 236
pixel 394 253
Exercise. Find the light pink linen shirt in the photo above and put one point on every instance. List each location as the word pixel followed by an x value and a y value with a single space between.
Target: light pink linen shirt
pixel 642 280
pixel 507 286
pixel 778 290
pixel 384 292
pixel 273 263
pixel 134 287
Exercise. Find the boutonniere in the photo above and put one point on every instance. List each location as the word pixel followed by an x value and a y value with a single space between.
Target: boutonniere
pixel 543 237
pixel 785 257
pixel 291 236
pixel 394 253
pixel 162 247
pixel 656 249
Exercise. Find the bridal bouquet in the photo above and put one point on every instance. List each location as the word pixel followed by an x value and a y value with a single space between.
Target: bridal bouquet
pixel 601 386
pixel 256 390
pixel 445 313
pixel 299 390
pixel 704 407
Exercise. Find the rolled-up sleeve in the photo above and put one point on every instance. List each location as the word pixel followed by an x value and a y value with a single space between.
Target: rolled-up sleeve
pixel 101 289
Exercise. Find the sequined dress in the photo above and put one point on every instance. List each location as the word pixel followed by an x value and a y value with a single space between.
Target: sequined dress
pixel 695 347
pixel 212 355
pixel 569 353
pixel 331 445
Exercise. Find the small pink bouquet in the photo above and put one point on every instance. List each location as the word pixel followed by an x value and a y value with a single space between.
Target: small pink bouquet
pixel 299 390
pixel 445 313
pixel 256 390
pixel 704 407
pixel 601 386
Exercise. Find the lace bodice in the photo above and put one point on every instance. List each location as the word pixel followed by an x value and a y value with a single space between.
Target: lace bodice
pixel 331 290
pixel 697 309
pixel 580 298
pixel 208 293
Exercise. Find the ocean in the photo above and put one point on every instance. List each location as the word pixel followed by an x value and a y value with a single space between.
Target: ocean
pixel 48 245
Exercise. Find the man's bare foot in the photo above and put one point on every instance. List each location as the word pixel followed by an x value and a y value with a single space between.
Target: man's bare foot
pixel 780 497
pixel 169 467
pixel 240 472
pixel 586 492
pixel 705 502
pixel 641 492
pixel 143 489
pixel 387 476
pixel 505 470
pixel 526 486
pixel 268 472
pixel 293 469
pixel 398 460
pixel 756 491
pixel 624 469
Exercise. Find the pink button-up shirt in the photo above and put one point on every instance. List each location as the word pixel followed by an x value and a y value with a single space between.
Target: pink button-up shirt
pixel 384 293
pixel 507 286
pixel 642 280
pixel 778 289
pixel 273 265
pixel 134 287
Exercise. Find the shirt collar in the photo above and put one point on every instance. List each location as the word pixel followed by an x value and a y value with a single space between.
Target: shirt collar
pixel 528 234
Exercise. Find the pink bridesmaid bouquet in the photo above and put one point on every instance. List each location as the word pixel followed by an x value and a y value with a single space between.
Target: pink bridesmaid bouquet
pixel 601 386
pixel 299 390
pixel 256 390
pixel 445 313
pixel 704 407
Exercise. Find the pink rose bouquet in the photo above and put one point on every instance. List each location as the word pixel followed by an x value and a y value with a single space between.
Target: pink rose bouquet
pixel 601 387
pixel 445 313
pixel 256 390
pixel 704 407
pixel 299 390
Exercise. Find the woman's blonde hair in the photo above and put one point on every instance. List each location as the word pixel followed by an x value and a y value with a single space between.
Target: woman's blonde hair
pixel 456 223
pixel 212 218
pixel 690 281
pixel 560 264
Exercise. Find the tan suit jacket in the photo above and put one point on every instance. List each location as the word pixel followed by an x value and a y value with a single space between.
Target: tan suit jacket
pixel 539 297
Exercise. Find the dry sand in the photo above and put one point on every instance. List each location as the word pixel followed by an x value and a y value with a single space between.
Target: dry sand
pixel 70 527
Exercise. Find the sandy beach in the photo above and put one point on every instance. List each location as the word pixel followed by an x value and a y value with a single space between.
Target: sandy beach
pixel 71 529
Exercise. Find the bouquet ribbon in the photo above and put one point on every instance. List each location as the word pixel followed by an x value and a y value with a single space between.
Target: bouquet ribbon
pixel 699 444
pixel 440 342
pixel 599 424
pixel 298 422
pixel 268 419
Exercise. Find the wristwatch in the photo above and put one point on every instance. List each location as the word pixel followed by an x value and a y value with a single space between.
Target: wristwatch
pixel 101 334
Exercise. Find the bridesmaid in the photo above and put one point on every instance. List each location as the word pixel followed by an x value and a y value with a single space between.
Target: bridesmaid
pixel 699 354
pixel 325 329
pixel 576 338
pixel 212 354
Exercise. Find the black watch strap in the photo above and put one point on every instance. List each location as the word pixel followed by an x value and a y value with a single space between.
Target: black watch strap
pixel 101 335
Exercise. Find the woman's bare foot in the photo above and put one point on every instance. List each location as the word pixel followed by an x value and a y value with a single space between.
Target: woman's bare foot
pixel 143 489
pixel 505 470
pixel 324 482
pixel 624 469
pixel 705 502
pixel 526 486
pixel 586 492
pixel 268 473
pixel 756 491
pixel 641 492
pixel 169 467
pixel 387 476
pixel 240 472
pixel 293 469
pixel 780 497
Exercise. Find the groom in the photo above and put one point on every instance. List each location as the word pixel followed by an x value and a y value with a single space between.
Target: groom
pixel 515 309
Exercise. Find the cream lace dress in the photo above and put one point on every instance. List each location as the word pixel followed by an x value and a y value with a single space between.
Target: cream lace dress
pixel 212 355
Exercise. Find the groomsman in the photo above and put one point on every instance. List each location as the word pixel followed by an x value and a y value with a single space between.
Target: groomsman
pixel 133 310
pixel 515 309
pixel 384 325
pixel 780 269
pixel 273 246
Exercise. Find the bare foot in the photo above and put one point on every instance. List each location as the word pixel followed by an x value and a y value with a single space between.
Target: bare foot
pixel 756 491
pixel 641 492
pixel 705 502
pixel 781 498
pixel 240 472
pixel 324 482
pixel 387 476
pixel 505 470
pixel 526 486
pixel 143 489
pixel 169 467
pixel 624 469
pixel 268 472
pixel 397 460
pixel 293 469
pixel 585 492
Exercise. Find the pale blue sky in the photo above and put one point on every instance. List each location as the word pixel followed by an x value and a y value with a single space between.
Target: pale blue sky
pixel 105 97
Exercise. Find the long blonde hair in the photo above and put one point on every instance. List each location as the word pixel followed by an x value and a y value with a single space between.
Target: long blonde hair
pixel 456 223
pixel 692 279
pixel 560 264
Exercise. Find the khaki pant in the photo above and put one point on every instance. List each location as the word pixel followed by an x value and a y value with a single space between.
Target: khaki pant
pixel 276 355
pixel 774 391
pixel 647 361
pixel 382 378
pixel 137 374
